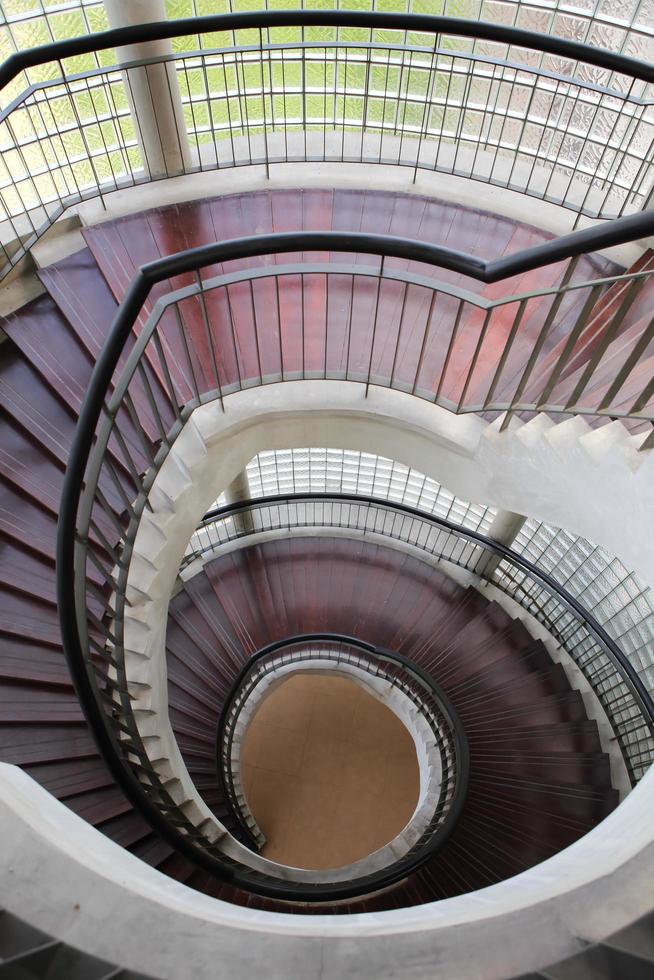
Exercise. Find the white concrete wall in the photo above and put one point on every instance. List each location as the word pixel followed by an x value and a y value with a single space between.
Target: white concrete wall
pixel 62 876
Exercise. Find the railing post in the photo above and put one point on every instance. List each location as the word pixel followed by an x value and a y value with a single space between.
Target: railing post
pixel 153 93
pixel 505 527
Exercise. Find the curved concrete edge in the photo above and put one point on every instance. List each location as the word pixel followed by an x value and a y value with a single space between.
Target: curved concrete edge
pixel 459 190
pixel 429 765
pixel 62 876
pixel 564 474
pixel 64 237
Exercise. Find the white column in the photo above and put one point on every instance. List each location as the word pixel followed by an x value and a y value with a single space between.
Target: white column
pixel 504 529
pixel 239 489
pixel 153 92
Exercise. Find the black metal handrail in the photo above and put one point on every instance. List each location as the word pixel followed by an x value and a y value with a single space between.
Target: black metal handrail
pixel 417 23
pixel 102 401
pixel 33 205
pixel 623 666
pixel 452 744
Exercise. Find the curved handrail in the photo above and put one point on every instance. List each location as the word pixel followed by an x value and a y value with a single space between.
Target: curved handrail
pixel 476 537
pixel 71 542
pixel 460 765
pixel 418 23
pixel 35 199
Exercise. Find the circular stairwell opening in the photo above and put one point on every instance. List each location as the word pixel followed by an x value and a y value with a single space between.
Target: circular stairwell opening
pixel 330 773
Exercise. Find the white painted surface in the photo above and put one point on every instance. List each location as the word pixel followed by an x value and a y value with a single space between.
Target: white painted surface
pixel 456 190
pixel 153 92
pixel 62 876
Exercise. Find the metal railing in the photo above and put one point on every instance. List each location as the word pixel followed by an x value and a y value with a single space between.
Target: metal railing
pixel 143 391
pixel 450 745
pixel 561 350
pixel 551 118
pixel 623 694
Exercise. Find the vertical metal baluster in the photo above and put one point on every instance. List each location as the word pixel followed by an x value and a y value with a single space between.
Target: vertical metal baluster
pixel 542 337
pixel 282 62
pixel 182 333
pixel 141 142
pixel 450 348
pixel 134 418
pixel 398 104
pixel 209 335
pixel 623 148
pixel 256 329
pixel 399 331
pixel 573 337
pixel 326 321
pixel 101 134
pixel 233 332
pixel 212 131
pixel 459 135
pixel 344 120
pixel 184 63
pixel 648 442
pixel 126 453
pixel 156 122
pixel 374 322
pixel 565 135
pixel 324 103
pixel 406 106
pixel 302 323
pixel 29 180
pixel 525 123
pixel 608 335
pixel 517 320
pixel 632 360
pixel 475 357
pixel 263 104
pixel 426 332
pixel 366 93
pixel 484 116
pixel 82 133
pixel 154 407
pixel 174 398
pixel 538 154
pixel 606 147
pixel 279 327
pixel 243 100
pixel 585 140
pixel 114 115
pixel 303 94
pixel 429 95
pixel 445 109
pixel 645 170
pixel 349 328
pixel 643 399
pixel 177 121
pixel 41 140
pixel 382 126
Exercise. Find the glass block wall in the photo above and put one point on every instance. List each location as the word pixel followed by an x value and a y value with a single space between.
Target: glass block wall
pixel 620 25
pixel 29 23
pixel 318 470
pixel 613 594
pixel 64 140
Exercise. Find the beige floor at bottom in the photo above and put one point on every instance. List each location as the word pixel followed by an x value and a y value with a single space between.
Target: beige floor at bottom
pixel 329 772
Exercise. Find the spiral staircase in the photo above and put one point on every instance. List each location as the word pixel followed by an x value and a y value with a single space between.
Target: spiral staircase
pixel 141 616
